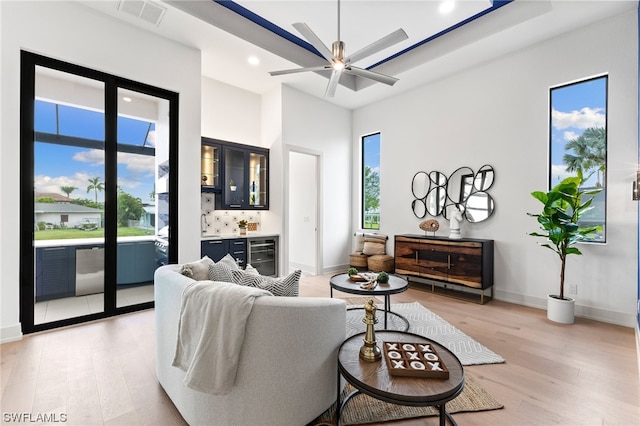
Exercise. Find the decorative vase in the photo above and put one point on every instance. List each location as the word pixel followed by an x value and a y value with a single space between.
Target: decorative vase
pixel 560 310
pixel 243 231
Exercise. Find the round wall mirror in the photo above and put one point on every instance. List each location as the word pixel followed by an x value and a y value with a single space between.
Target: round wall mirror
pixel 478 207
pixel 438 179
pixel 484 178
pixel 435 201
pixel 419 208
pixel 460 185
pixel 420 185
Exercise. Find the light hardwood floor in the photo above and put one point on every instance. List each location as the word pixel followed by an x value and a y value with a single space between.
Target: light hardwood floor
pixel 103 373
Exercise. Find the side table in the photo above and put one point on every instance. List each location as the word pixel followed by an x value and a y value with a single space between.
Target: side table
pixel 341 282
pixel 373 378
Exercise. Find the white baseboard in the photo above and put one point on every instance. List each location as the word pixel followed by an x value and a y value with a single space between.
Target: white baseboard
pixel 335 269
pixel 306 269
pixel 582 311
pixel 10 334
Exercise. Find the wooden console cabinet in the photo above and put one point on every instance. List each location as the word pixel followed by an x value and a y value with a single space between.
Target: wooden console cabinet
pixel 466 262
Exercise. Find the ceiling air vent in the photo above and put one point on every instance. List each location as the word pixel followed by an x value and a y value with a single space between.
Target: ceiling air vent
pixel 146 10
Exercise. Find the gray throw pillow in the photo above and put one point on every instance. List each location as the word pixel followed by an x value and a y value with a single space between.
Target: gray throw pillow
pixel 283 286
pixel 198 270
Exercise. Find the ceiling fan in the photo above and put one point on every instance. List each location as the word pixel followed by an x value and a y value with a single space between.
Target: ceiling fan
pixel 338 63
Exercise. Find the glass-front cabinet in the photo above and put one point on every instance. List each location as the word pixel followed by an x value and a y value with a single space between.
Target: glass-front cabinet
pixel 210 166
pixel 238 173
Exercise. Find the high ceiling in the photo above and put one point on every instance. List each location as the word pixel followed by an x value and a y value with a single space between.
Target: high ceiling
pixel 439 44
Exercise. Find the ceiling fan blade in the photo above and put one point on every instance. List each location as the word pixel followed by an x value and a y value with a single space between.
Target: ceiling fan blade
pixel 372 75
pixel 386 41
pixel 296 70
pixel 315 41
pixel 333 84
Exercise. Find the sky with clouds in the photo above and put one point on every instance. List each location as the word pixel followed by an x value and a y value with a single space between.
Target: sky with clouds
pixel 574 108
pixel 60 165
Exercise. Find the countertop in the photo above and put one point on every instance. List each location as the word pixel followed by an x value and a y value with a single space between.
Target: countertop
pixel 89 241
pixel 249 235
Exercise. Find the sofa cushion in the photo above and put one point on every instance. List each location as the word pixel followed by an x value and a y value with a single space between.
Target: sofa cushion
pixel 283 286
pixel 198 270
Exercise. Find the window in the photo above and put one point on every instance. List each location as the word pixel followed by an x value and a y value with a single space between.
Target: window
pixel 578 141
pixel 371 181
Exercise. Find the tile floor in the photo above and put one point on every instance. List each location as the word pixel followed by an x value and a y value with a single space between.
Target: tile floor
pixel 69 307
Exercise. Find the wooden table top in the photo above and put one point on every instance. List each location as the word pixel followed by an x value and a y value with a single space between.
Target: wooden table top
pixel 373 378
pixel 341 282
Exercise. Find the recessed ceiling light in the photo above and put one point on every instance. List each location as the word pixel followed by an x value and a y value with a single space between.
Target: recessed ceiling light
pixel 126 99
pixel 253 60
pixel 447 6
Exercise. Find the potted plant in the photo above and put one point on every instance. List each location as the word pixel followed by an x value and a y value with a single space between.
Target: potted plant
pixel 232 185
pixel 383 278
pixel 242 225
pixel 563 206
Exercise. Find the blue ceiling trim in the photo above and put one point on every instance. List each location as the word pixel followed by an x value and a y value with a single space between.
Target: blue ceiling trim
pixel 496 4
pixel 264 23
pixel 259 20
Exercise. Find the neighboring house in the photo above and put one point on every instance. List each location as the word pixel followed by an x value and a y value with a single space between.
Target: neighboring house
pixel 58 198
pixel 65 215
pixel 148 218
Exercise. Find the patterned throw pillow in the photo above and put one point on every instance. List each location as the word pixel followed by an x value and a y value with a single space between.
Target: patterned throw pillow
pixel 220 271
pixel 229 261
pixel 251 270
pixel 283 286
pixel 198 270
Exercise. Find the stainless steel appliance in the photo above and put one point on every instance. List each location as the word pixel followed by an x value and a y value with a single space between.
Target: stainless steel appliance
pixel 262 254
pixel 162 246
pixel 89 271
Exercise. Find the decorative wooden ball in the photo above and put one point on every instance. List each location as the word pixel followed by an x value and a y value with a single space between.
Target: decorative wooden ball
pixel 430 225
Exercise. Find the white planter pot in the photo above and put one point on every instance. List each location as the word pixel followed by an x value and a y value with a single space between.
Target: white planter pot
pixel 560 310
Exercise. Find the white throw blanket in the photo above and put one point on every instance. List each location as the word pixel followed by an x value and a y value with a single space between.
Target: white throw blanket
pixel 213 316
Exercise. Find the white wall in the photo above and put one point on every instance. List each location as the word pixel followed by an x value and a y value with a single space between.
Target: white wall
pixel 230 114
pixel 77 34
pixel 497 114
pixel 312 123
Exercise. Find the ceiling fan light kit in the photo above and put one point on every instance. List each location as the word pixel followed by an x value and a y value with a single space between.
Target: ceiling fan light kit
pixel 337 63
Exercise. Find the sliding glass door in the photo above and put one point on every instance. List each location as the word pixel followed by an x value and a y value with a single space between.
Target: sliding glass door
pixel 96 151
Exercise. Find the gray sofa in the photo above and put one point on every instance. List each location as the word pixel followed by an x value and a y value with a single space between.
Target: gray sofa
pixel 287 373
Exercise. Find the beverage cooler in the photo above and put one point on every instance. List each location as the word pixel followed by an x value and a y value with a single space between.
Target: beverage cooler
pixel 262 254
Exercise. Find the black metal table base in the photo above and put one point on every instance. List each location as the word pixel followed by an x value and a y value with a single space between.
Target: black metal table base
pixel 397 315
pixel 443 415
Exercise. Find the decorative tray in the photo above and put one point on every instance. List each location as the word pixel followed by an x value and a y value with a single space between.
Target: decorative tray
pixel 414 360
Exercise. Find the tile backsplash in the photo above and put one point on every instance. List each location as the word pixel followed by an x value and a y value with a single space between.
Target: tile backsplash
pixel 223 222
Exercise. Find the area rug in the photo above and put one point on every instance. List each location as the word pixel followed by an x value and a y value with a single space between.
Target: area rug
pixel 425 323
pixel 364 409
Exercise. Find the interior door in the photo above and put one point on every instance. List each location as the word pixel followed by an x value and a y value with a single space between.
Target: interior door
pixel 303 212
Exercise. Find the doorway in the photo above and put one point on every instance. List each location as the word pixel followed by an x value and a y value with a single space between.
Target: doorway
pixel 96 151
pixel 303 210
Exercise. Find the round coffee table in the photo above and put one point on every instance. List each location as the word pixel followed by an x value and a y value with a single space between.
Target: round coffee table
pixel 373 378
pixel 341 282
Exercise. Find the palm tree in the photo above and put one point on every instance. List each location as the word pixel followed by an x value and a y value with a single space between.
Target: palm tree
pixel 589 152
pixel 96 186
pixel 68 189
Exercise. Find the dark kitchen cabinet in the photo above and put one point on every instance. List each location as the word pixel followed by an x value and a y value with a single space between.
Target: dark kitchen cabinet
pixel 219 248
pixel 238 174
